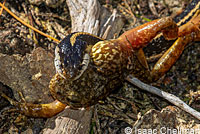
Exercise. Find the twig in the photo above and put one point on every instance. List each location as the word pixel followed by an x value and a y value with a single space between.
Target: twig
pixel 130 12
pixel 152 7
pixel 154 57
pixel 97 121
pixel 26 24
pixel 2 7
pixel 170 97
pixel 107 27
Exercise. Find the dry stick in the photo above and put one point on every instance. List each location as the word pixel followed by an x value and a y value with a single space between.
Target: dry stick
pixel 2 7
pixel 152 7
pixel 130 12
pixel 170 97
pixel 17 18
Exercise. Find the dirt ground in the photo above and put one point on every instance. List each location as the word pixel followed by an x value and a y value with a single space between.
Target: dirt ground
pixel 125 106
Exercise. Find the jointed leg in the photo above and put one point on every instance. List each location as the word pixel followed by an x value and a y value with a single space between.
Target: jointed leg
pixel 169 58
pixel 187 33
pixel 37 110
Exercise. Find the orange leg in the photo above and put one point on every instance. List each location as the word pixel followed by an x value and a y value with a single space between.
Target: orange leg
pixel 140 36
pixel 191 26
pixel 37 110
pixel 187 33
pixel 170 57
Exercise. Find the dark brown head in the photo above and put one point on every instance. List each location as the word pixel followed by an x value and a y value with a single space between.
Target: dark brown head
pixel 74 52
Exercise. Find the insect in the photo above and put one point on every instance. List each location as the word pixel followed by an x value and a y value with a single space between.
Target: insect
pixel 89 68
